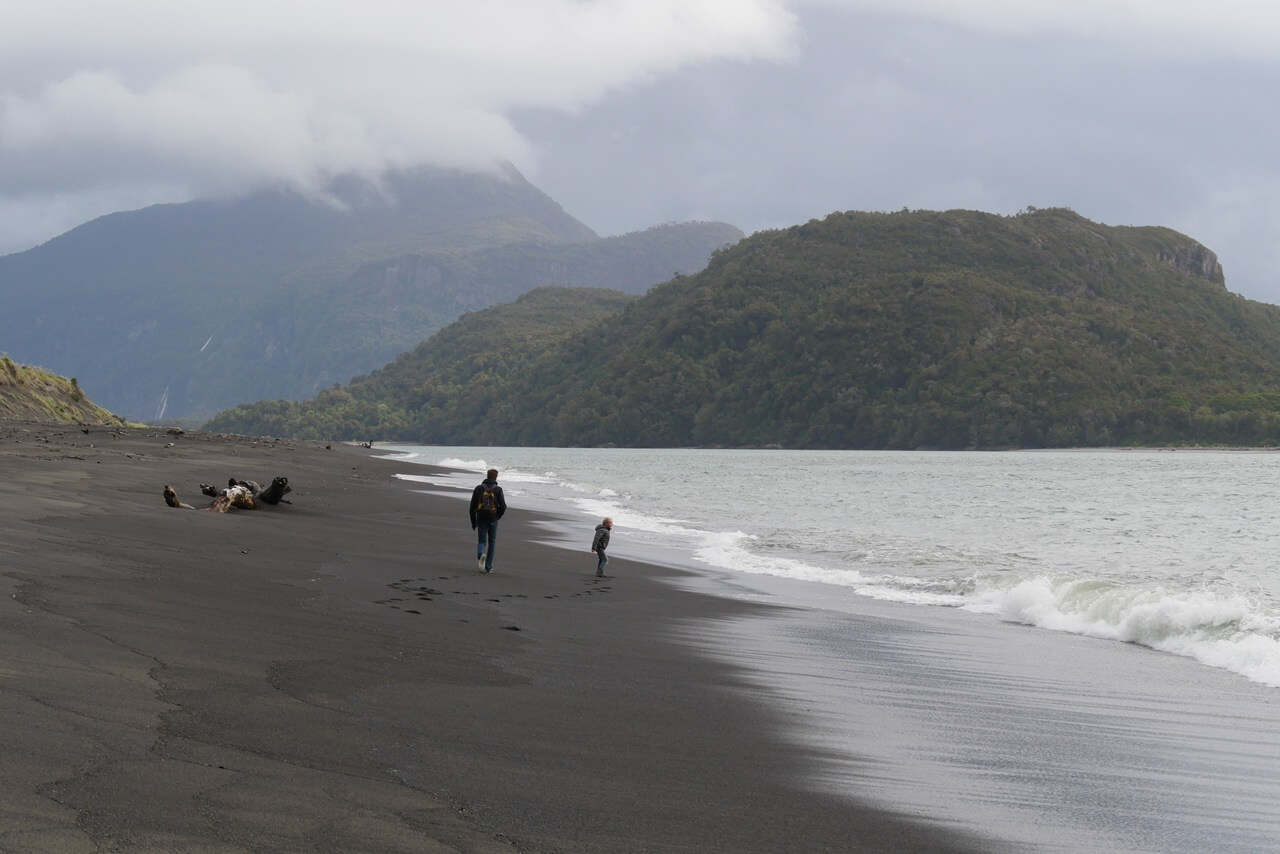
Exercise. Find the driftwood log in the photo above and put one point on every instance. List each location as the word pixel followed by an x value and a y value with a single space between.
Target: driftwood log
pixel 171 498
pixel 238 494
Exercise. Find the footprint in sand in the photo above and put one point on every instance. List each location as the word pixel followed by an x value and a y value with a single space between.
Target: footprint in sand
pixel 421 592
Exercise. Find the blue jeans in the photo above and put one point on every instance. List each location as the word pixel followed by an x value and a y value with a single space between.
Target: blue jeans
pixel 604 558
pixel 486 531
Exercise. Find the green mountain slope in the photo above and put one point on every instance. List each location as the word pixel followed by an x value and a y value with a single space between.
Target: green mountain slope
pixel 907 330
pixel 32 394
pixel 466 366
pixel 178 311
pixel 386 308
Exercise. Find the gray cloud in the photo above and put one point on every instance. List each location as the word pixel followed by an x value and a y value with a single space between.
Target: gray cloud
pixel 763 113
pixel 187 100
pixel 886 111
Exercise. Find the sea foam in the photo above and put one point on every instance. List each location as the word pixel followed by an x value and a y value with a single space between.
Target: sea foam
pixel 1228 631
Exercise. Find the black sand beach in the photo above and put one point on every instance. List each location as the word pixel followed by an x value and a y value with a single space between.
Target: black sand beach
pixel 334 675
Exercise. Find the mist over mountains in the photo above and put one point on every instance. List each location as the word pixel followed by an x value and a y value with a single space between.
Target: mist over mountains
pixel 460 308
pixel 178 311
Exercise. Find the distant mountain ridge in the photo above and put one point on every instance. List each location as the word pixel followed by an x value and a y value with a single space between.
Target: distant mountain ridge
pixel 177 311
pixel 911 330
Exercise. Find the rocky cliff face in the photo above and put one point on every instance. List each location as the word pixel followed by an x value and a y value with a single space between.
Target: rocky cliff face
pixel 1194 260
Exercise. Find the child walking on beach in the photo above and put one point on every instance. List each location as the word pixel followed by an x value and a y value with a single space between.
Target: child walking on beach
pixel 599 543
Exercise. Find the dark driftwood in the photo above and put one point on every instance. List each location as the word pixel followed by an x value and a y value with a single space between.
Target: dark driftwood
pixel 238 494
pixel 171 498
pixel 275 492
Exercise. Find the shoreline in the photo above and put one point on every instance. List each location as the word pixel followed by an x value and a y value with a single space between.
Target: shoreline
pixel 960 716
pixel 334 675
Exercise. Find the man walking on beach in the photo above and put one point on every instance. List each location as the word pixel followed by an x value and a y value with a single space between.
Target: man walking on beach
pixel 599 543
pixel 487 507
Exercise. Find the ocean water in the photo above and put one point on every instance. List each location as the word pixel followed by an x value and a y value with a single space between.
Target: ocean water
pixel 1068 651
pixel 1175 550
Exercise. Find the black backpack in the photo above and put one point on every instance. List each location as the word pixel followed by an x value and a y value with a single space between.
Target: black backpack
pixel 489 499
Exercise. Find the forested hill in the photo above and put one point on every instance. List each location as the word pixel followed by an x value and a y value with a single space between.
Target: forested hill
pixel 906 330
pixel 177 311
pixel 471 364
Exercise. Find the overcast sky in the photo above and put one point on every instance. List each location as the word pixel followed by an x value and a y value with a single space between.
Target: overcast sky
pixel 762 113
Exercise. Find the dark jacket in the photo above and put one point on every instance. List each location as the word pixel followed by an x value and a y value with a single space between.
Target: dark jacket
pixel 601 540
pixel 478 515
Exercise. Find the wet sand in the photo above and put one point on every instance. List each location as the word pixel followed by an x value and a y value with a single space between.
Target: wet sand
pixel 1050 741
pixel 334 675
